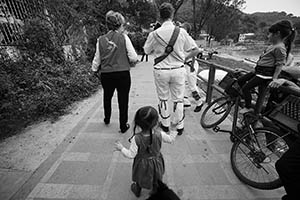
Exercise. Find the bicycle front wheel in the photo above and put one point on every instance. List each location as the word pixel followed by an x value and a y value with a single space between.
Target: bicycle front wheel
pixel 253 158
pixel 216 112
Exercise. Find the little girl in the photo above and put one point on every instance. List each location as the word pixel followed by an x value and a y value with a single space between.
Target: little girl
pixel 148 165
pixel 281 36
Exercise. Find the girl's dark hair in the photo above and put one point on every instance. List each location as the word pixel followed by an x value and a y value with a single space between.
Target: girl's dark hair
pixel 287 33
pixel 146 118
pixel 187 27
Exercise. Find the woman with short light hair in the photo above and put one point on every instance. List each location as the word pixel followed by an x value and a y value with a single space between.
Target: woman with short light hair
pixel 113 58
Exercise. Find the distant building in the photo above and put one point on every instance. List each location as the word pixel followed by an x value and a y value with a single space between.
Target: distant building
pixel 203 35
pixel 246 37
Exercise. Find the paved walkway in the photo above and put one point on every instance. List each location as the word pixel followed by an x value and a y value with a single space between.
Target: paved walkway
pixel 85 165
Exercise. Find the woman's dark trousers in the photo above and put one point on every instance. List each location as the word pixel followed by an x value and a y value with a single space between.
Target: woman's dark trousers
pixel 250 81
pixel 120 81
pixel 288 168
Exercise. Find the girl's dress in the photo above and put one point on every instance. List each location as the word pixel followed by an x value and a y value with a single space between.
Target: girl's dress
pixel 148 167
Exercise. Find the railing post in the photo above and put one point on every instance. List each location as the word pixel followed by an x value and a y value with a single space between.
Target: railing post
pixel 210 82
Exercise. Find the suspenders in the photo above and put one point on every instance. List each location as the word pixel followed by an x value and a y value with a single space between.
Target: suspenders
pixel 169 48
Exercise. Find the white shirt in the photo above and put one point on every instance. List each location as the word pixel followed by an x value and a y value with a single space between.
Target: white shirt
pixel 132 55
pixel 184 43
pixel 133 149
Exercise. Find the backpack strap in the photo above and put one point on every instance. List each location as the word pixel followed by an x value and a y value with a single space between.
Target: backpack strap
pixel 169 48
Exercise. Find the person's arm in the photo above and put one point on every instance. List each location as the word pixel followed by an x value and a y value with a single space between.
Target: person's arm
pixel 148 46
pixel 97 60
pixel 194 52
pixel 190 46
pixel 132 55
pixel 129 153
pixel 280 60
pixel 168 138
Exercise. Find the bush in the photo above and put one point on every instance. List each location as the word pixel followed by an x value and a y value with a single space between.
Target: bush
pixel 138 40
pixel 39 40
pixel 40 84
pixel 34 90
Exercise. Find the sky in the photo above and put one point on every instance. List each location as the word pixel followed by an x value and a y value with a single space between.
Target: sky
pixel 288 6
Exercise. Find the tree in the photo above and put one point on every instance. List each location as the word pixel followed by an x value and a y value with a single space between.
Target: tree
pixel 140 12
pixel 224 23
pixel 206 9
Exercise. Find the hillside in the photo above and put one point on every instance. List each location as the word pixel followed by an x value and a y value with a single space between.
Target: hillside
pixel 271 17
pixel 230 22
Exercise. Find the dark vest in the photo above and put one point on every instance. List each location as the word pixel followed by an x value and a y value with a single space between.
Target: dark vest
pixel 113 53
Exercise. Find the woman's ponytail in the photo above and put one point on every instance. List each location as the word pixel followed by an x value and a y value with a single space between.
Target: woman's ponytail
pixel 287 33
pixel 289 41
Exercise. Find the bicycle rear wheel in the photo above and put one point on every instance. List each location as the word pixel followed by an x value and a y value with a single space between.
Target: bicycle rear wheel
pixel 216 112
pixel 257 168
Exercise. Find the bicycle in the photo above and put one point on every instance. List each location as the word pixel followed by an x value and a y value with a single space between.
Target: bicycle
pixel 218 110
pixel 255 150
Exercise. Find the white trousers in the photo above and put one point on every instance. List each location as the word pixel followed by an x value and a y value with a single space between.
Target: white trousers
pixel 170 82
pixel 191 87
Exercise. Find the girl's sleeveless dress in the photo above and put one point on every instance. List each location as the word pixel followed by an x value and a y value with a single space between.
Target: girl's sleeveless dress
pixel 148 167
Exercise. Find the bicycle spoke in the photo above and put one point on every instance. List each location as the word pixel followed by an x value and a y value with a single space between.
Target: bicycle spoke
pixel 215 112
pixel 253 157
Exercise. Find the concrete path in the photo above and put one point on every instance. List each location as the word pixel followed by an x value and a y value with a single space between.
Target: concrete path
pixel 85 166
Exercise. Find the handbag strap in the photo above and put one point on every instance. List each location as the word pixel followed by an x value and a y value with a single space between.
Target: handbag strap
pixel 169 48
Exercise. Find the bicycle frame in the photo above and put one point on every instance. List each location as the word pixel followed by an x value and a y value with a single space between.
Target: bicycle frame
pixel 233 133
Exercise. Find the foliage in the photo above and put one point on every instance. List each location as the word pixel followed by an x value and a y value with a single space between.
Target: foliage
pixel 138 40
pixel 39 41
pixel 140 12
pixel 265 20
pixel 224 23
pixel 40 84
pixel 207 9
pixel 81 22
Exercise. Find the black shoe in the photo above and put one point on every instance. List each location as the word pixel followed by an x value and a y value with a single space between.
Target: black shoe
pixel 125 128
pixel 198 108
pixel 164 128
pixel 136 189
pixel 180 131
pixel 106 121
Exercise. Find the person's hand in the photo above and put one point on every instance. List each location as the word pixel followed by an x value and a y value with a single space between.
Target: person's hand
pixel 276 83
pixel 134 63
pixel 119 146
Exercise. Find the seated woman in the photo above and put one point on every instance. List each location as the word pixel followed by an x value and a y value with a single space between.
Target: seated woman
pixel 281 36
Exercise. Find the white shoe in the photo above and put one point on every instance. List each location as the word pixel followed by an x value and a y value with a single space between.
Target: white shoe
pixel 186 102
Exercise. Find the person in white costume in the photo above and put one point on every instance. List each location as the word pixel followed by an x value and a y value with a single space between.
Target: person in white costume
pixel 191 87
pixel 169 71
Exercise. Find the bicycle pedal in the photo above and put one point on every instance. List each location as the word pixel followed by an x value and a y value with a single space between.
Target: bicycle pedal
pixel 216 129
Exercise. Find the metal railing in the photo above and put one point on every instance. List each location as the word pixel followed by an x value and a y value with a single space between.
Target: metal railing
pixel 211 78
pixel 12 16
pixel 211 85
